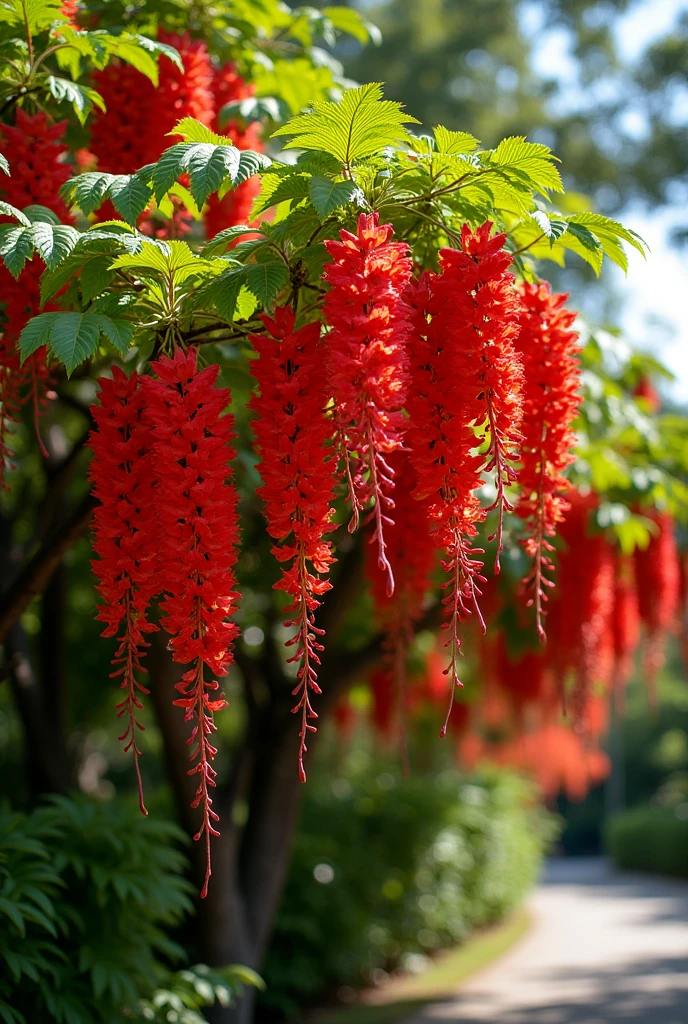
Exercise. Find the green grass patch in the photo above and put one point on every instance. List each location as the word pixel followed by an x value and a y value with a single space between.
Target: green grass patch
pixel 401 997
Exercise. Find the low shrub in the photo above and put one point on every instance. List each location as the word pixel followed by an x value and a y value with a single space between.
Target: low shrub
pixel 88 893
pixel 650 839
pixel 386 871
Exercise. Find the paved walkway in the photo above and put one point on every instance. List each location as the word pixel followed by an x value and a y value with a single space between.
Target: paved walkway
pixel 606 948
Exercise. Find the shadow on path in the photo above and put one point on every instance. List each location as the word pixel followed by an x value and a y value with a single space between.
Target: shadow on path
pixel 607 948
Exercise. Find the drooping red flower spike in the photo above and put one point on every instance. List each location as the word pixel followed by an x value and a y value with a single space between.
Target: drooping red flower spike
pixel 441 451
pixel 187 93
pixel 132 130
pixel 197 534
pixel 582 638
pixel 38 171
pixel 658 579
pixel 649 395
pixel 298 471
pixel 367 366
pixel 119 134
pixel 124 531
pixel 411 552
pixel 466 378
pixel 30 382
pixel 625 622
pixel 36 149
pixel 475 300
pixel 550 404
pixel 385 701
pixel 70 9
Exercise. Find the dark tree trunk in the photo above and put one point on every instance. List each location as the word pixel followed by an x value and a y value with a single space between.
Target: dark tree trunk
pixel 48 767
pixel 41 697
pixel 53 649
pixel 249 863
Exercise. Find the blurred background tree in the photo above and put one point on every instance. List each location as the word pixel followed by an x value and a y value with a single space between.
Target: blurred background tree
pixel 604 83
pixel 500 68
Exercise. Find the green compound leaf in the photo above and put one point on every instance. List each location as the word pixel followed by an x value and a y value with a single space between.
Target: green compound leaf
pixel 130 194
pixel 266 280
pixel 358 126
pixel 16 247
pixel 328 196
pixel 82 98
pixel 54 242
pixel 7 210
pixel 73 337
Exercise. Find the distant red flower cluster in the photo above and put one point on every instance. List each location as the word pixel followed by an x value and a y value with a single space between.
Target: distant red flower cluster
pixel 657 570
pixel 625 620
pixel 581 640
pixel 235 207
pixel 135 128
pixel 411 550
pixel 544 711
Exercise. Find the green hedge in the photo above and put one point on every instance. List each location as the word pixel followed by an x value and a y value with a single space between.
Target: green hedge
pixel 386 871
pixel 649 839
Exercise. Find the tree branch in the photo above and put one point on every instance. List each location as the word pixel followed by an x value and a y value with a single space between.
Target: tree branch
pixel 35 574
pixel 59 473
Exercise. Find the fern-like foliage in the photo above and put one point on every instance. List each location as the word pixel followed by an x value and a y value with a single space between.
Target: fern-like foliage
pixel 360 125
pixel 88 893
pixel 126 288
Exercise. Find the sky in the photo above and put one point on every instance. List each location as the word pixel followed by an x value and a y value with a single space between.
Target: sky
pixel 654 294
pixel 656 289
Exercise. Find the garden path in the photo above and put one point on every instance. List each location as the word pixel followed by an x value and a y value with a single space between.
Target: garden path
pixel 606 948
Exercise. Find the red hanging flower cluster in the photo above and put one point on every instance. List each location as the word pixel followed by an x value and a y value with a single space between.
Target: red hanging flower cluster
pixel 657 572
pixel 197 536
pixel 125 536
pixel 581 636
pixel 625 621
pixel 558 759
pixel 292 431
pixel 36 148
pixel 550 402
pixel 70 9
pixel 38 171
pixel 21 384
pixel 235 207
pixel 134 129
pixel 466 378
pixel 385 701
pixel 187 93
pixel 647 392
pixel 526 679
pixel 411 552
pixel 367 363
pixel 119 134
